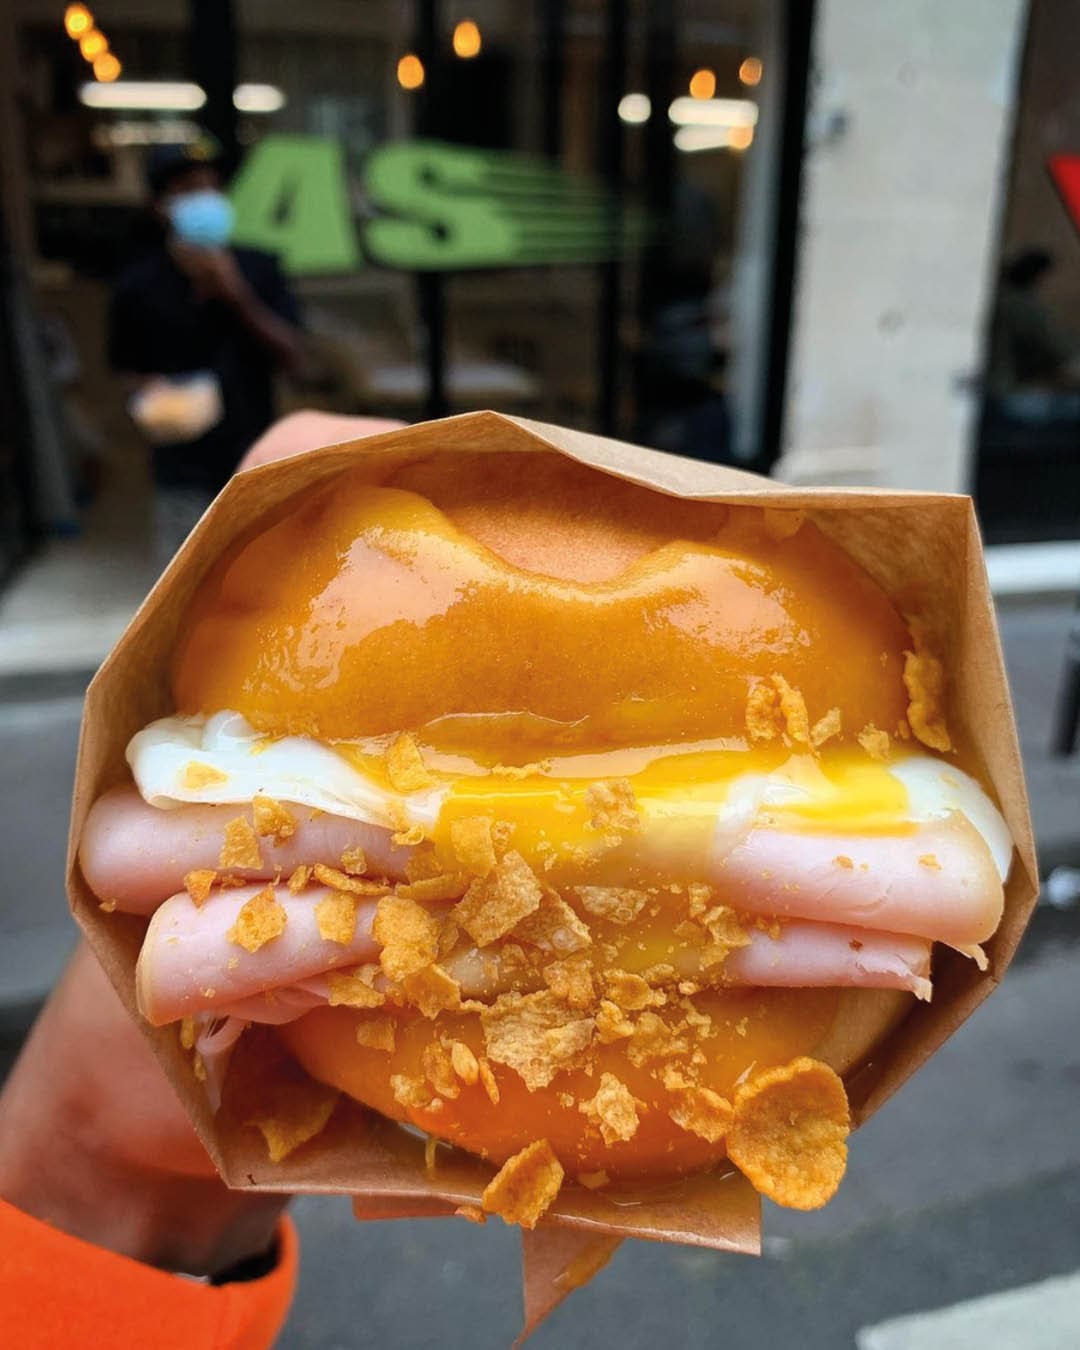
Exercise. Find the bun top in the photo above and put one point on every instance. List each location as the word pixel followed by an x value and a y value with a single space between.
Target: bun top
pixel 521 603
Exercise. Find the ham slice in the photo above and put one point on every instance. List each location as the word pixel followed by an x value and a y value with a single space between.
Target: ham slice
pixel 937 881
pixel 827 955
pixel 137 854
pixel 188 965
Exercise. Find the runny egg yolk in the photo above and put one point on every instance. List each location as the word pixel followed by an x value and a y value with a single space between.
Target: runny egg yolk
pixel 366 610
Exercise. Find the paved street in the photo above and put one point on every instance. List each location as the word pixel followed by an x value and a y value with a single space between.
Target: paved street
pixel 966 1185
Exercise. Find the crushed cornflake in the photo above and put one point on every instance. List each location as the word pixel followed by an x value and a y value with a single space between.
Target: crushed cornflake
pixel 260 920
pixel 493 905
pixel 199 1066
pixel 929 860
pixel 726 934
pixel 299 1111
pixel 630 992
pixel 408 837
pixel 554 927
pixel 198 884
pixel 700 897
pixel 412 1093
pixel 612 806
pixel 354 861
pixel 536 1035
pixel 612 1024
pixel 439 1069
pixel 617 904
pixel 924 679
pixel 788 1133
pixel 473 1213
pixel 272 820
pixel 342 881
pixel 432 990
pixel 525 1186
pixel 593 1181
pixel 107 906
pixel 187 1032
pixel 571 979
pixel 408 933
pixel 377 1033
pixel 464 1063
pixel 423 862
pixel 488 1081
pixel 613 1110
pixel 445 886
pixel 653 1038
pixel 703 1112
pixel 825 728
pixel 354 988
pixel 198 775
pixel 762 712
pixel 335 917
pixel 874 741
pixel 473 845
pixel 405 765
pixel 299 879
pixel 792 711
pixel 903 731
pixel 781 524
pixel 240 847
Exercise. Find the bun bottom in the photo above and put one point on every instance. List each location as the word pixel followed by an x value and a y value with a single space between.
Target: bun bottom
pixel 839 1027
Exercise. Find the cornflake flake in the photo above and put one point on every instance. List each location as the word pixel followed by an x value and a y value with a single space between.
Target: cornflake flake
pixel 525 1186
pixel 703 1112
pixel 272 819
pixel 405 765
pixel 198 775
pixel 924 679
pixel 473 845
pixel 260 920
pixel 617 904
pixel 789 1131
pixel 464 1063
pixel 554 927
pixel 473 1213
pixel 762 712
pixel 299 879
pixel 825 728
pixel 188 1032
pixel 572 981
pixel 198 884
pixel 297 1115
pixel 793 711
pixel 874 741
pixel 488 1082
pixel 493 905
pixel 354 861
pixel 629 992
pixel 352 990
pixel 653 1038
pixel 613 1110
pixel 593 1181
pixel 411 1093
pixel 240 846
pixel 409 936
pixel 445 886
pixel 439 1070
pixel 536 1035
pixel 377 1033
pixel 432 990
pixel 612 806
pixel 338 880
pixel 335 917
pixel 612 1024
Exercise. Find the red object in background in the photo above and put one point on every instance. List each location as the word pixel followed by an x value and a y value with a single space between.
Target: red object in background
pixel 1065 173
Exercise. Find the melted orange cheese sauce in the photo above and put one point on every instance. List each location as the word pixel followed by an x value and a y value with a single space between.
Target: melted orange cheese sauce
pixel 366 610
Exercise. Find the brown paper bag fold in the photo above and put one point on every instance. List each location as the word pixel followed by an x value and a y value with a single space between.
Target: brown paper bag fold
pixel 922 548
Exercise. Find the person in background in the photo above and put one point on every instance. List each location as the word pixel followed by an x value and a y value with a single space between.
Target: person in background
pixel 198 329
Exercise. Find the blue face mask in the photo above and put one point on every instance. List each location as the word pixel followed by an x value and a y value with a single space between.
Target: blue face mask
pixel 204 218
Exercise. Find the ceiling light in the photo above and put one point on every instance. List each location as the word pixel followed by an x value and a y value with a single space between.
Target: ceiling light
pixel 703 83
pixel 148 95
pixel 410 71
pixel 713 112
pixel 466 39
pixel 634 108
pixel 258 98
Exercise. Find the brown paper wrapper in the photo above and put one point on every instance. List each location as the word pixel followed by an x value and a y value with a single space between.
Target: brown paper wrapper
pixel 922 548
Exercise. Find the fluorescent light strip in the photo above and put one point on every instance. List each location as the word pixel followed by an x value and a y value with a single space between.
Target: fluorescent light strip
pixel 703 138
pixel 258 98
pixel 713 112
pixel 175 96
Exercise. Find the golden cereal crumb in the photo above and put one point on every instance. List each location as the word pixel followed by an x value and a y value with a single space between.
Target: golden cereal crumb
pixel 924 679
pixel 525 1186
pixel 432 990
pixel 488 1081
pixel 240 847
pixel 825 728
pixel 187 1032
pixel 298 1114
pixel 232 962
pixel 198 884
pixel 727 933
pixel 412 1093
pixel 107 906
pixel 617 904
pixel 272 820
pixel 793 711
pixel 613 1110
pixel 654 1038
pixel 354 861
pixel 342 881
pixel 431 1146
pixel 409 936
pixel 875 742
pixel 554 927
pixel 930 860
pixel 612 806
pixel 593 1181
pixel 762 713
pixel 335 917
pixel 473 845
pixel 439 1070
pixel 197 775
pixel 703 1112
pixel 473 1213
pixel 405 765
pixel 299 879
pixel 842 860
pixel 700 896
pixel 781 523
pixel 408 837
pixel 571 980
pixel 445 886
pixel 464 1063
pixel 493 905
pixel 612 1024
pixel 629 992
pixel 353 990
pixel 536 1035
pixel 199 1065
pixel 376 1033
pixel 260 920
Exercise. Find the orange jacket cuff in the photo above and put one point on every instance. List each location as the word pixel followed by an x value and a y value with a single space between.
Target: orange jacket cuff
pixel 57 1291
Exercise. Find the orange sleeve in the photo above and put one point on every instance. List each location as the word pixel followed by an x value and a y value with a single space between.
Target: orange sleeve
pixel 58 1292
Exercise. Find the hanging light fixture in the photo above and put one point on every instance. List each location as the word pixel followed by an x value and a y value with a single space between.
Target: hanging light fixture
pixel 77 21
pixel 107 68
pixel 703 83
pixel 410 71
pixel 466 40
pixel 93 44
